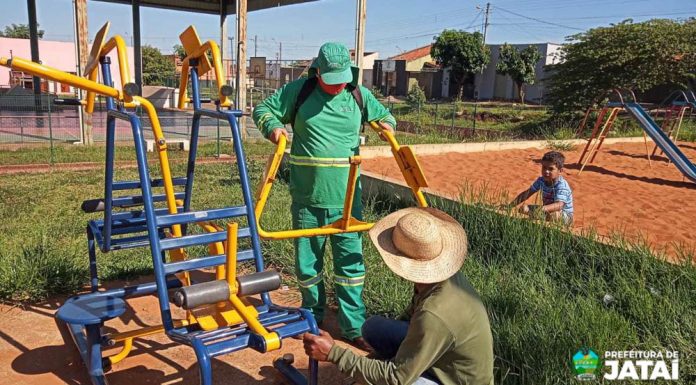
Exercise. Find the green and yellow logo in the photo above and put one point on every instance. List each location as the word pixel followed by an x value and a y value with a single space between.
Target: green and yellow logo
pixel 586 363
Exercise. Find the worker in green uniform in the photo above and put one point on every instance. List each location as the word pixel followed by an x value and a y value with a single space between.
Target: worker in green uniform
pixel 326 111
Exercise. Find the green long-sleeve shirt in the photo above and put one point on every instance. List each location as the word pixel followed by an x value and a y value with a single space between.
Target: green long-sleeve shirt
pixel 326 127
pixel 449 336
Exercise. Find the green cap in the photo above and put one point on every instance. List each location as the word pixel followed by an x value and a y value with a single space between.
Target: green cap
pixel 334 64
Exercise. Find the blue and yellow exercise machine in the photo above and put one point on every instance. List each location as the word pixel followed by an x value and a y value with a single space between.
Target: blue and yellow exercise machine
pixel 219 320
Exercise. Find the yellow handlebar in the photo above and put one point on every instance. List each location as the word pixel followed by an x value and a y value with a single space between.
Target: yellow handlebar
pixel 123 70
pixel 195 50
pixel 57 75
pixel 405 159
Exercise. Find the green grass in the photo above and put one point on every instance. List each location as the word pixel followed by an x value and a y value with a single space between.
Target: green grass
pixel 126 153
pixel 490 116
pixel 543 288
pixel 66 153
pixel 544 291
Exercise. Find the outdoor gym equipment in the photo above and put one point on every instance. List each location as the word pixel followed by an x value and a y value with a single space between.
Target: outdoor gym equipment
pixel 405 159
pixel 264 327
pixel 117 230
pixel 215 327
pixel 652 129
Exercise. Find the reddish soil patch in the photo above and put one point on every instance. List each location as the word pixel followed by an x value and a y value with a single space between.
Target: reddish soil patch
pixel 82 166
pixel 620 192
pixel 32 351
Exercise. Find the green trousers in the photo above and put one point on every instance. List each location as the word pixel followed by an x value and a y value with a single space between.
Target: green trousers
pixel 348 265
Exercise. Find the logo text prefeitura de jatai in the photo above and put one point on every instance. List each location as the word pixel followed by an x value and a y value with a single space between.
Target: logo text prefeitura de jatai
pixel 641 365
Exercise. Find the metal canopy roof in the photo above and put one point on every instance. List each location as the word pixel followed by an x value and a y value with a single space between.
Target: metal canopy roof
pixel 209 6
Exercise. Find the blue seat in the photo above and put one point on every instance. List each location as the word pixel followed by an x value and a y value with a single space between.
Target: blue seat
pixel 91 309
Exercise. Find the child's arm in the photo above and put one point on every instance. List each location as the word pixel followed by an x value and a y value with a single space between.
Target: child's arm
pixel 553 207
pixel 521 197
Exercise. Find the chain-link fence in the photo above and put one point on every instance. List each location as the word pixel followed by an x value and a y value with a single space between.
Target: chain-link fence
pixel 464 120
pixel 30 119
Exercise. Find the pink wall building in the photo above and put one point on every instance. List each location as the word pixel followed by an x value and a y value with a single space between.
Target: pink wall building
pixel 56 54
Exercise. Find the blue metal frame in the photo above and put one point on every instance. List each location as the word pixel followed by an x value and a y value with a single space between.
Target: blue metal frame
pixel 86 314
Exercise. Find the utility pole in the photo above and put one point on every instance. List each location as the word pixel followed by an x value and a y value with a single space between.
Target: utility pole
pixel 485 23
pixel 477 83
pixel 360 16
pixel 255 42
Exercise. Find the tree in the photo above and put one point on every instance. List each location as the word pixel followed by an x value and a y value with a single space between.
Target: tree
pixel 156 67
pixel 463 52
pixel 179 51
pixel 637 56
pixel 519 65
pixel 416 96
pixel 20 31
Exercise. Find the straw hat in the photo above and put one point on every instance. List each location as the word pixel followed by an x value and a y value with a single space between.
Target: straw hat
pixel 422 245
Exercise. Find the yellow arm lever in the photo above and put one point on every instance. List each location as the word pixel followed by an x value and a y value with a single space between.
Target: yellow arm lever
pixel 123 68
pixel 407 162
pixel 217 67
pixel 341 226
pixel 57 75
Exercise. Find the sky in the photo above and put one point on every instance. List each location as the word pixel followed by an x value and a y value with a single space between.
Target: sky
pixel 393 26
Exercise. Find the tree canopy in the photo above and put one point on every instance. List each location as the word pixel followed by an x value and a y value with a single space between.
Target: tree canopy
pixel 631 55
pixel 519 65
pixel 157 68
pixel 20 31
pixel 463 52
pixel 179 51
pixel 416 96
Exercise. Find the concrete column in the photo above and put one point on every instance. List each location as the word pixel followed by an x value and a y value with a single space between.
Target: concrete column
pixel 224 45
pixel 34 42
pixel 241 10
pixel 82 52
pixel 360 18
pixel 137 46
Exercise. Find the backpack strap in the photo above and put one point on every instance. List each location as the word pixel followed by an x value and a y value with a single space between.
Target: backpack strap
pixel 309 85
pixel 357 95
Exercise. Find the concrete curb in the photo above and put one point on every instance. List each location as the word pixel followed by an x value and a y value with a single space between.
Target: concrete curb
pixel 431 149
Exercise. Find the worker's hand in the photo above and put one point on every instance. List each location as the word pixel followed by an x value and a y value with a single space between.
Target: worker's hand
pixel 385 127
pixel 274 137
pixel 318 347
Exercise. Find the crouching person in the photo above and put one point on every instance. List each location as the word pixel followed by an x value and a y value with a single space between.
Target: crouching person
pixel 445 336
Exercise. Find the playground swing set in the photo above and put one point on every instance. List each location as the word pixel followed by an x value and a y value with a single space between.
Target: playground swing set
pixel 219 318
pixel 664 137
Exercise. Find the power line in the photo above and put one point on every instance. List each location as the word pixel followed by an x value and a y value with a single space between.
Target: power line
pixel 538 20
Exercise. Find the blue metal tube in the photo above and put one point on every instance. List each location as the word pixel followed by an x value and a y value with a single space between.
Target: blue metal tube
pixel 195 91
pixel 204 365
pixel 197 216
pixel 153 235
pixel 110 148
pixel 199 239
pixel 193 141
pixel 246 192
pixel 130 185
pixel 200 263
pixel 92 251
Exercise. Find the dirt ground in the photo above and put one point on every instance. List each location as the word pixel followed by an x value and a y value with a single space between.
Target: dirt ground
pixel 619 192
pixel 32 351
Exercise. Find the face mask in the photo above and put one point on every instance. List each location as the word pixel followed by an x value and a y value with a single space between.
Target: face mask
pixel 331 89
